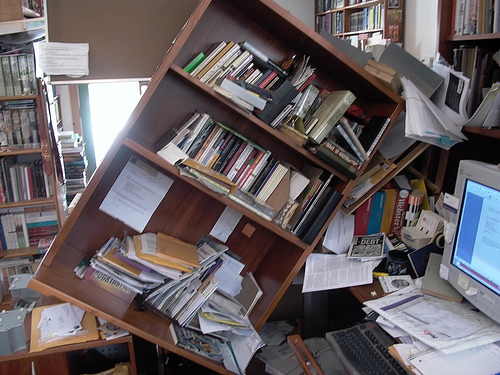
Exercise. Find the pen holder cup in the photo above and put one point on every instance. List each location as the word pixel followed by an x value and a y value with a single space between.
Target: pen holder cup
pixel 397 263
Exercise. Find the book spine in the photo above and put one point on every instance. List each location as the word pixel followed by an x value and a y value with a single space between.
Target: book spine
pixel 336 162
pixel 343 154
pixel 376 213
pixel 346 130
pixel 400 208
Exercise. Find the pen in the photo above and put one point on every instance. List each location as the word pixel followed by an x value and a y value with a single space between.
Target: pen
pixel 380 274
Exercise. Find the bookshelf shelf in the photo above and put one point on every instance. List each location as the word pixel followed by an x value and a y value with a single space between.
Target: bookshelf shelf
pixel 12 27
pixel 358 20
pixel 23 165
pixel 189 210
pixel 483 143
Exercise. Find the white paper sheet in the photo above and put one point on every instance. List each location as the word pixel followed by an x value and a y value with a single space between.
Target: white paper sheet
pixel 339 233
pixel 329 271
pixel 71 59
pixel 136 194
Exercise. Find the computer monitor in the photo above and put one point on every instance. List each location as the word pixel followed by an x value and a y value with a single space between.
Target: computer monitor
pixel 471 261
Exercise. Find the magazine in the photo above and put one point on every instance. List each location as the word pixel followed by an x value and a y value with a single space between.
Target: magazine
pixel 367 247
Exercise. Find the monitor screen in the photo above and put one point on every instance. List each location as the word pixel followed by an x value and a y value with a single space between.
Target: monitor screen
pixel 477 243
pixel 472 259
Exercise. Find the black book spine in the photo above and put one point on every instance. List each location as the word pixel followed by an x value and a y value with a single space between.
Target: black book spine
pixel 322 217
pixel 230 154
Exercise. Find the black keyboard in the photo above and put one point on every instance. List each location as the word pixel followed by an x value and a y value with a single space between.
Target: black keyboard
pixel 363 350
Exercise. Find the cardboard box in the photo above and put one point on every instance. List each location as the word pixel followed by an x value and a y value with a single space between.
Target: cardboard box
pixel 11 10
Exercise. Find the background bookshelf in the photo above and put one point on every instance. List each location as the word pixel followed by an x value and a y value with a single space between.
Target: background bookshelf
pixel 190 210
pixel 483 142
pixel 358 20
pixel 31 177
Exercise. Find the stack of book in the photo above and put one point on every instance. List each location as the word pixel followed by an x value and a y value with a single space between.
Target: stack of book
pixel 27 226
pixel 19 124
pixel 228 163
pixel 349 144
pixel 18 75
pixel 75 163
pixel 22 179
pixel 248 77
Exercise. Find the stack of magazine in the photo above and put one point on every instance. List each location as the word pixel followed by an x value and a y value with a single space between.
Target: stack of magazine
pixel 178 279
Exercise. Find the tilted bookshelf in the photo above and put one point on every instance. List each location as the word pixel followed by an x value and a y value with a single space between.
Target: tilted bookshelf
pixel 190 210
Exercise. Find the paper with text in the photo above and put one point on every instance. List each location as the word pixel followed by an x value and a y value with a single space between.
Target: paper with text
pixel 136 194
pixel 70 59
pixel 330 271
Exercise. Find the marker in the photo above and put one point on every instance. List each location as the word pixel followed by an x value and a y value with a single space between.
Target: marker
pixel 380 274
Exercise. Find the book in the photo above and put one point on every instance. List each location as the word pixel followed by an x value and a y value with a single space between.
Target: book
pixel 376 213
pixel 366 247
pixel 241 92
pixel 345 129
pixel 401 205
pixel 372 132
pixel 434 285
pixel 322 217
pixel 362 216
pixel 329 112
pixel 251 203
pixel 210 54
pixel 194 62
pixel 342 153
pixel 333 159
pixel 109 284
pixel 390 200
pixel 313 206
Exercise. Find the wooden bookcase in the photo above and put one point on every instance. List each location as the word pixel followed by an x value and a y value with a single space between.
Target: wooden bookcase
pixel 360 20
pixel 46 152
pixel 483 143
pixel 190 210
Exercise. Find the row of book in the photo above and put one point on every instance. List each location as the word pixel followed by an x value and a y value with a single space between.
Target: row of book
pixel 245 75
pixel 475 17
pixel 177 279
pixel 332 23
pixel 75 163
pixel 27 226
pixel 326 5
pixel 19 124
pixel 367 19
pixel 397 205
pixel 477 64
pixel 22 179
pixel 17 76
pixel 232 165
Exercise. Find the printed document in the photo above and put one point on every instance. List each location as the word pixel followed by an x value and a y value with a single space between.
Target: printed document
pixel 330 271
pixel 443 325
pixel 71 59
pixel 136 194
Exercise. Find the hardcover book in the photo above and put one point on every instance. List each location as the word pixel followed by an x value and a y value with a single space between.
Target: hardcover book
pixel 329 112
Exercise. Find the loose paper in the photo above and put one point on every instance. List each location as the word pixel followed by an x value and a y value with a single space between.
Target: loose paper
pixel 136 194
pixel 71 59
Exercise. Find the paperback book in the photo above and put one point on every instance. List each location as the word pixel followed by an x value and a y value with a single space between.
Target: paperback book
pixel 367 247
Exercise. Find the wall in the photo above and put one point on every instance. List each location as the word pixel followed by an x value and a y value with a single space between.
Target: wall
pixel 420 24
pixel 421 28
pixel 302 9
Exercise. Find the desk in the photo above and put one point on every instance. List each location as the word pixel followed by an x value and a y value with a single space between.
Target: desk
pixel 63 358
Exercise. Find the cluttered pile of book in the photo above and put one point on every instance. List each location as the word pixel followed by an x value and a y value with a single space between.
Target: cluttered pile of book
pixel 282 95
pixel 230 164
pixel 179 280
